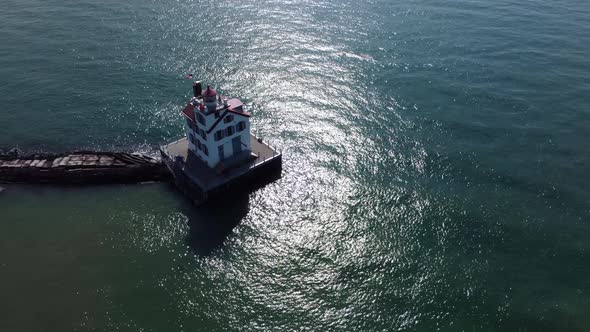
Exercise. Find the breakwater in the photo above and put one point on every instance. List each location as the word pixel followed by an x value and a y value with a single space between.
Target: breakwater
pixel 81 167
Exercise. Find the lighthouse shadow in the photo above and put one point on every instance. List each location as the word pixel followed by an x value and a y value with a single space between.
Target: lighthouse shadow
pixel 211 223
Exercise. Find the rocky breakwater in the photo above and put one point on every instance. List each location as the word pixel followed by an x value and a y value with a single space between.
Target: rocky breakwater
pixel 80 167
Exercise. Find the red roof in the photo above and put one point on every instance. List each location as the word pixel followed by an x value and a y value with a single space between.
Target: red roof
pixel 236 106
pixel 209 92
pixel 189 112
pixel 235 103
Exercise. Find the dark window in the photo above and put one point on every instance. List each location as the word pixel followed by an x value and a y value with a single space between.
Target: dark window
pixel 200 118
pixel 216 114
pixel 203 135
pixel 228 119
pixel 230 130
pixel 191 138
pixel 198 144
pixel 205 150
pixel 241 126
pixel 219 134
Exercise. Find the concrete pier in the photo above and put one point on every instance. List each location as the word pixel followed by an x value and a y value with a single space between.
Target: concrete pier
pixel 200 182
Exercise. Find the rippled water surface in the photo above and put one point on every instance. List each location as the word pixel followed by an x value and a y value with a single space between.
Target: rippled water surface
pixel 435 166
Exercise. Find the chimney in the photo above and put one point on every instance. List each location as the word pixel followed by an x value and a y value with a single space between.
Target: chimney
pixel 197 89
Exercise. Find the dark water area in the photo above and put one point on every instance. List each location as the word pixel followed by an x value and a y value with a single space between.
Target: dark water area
pixel 435 158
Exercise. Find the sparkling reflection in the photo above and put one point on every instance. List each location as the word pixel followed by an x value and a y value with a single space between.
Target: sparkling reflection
pixel 395 210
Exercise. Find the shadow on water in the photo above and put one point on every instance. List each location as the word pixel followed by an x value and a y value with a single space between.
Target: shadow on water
pixel 211 223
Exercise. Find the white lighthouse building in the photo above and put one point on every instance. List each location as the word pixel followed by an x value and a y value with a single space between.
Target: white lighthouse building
pixel 217 129
pixel 218 154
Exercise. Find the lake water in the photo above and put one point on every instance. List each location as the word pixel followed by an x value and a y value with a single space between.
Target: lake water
pixel 435 166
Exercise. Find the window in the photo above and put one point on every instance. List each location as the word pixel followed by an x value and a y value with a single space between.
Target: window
pixel 205 150
pixel 220 152
pixel 230 130
pixel 203 135
pixel 228 119
pixel 200 118
pixel 216 114
pixel 219 134
pixel 198 144
pixel 190 124
pixel 241 126
pixel 191 138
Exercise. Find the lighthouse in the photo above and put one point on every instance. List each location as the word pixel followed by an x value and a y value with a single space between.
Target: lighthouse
pixel 217 129
pixel 218 153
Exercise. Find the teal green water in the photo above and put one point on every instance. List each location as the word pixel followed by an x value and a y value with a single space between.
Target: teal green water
pixel 435 166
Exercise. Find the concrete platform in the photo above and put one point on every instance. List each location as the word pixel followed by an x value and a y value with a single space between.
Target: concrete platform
pixel 194 177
